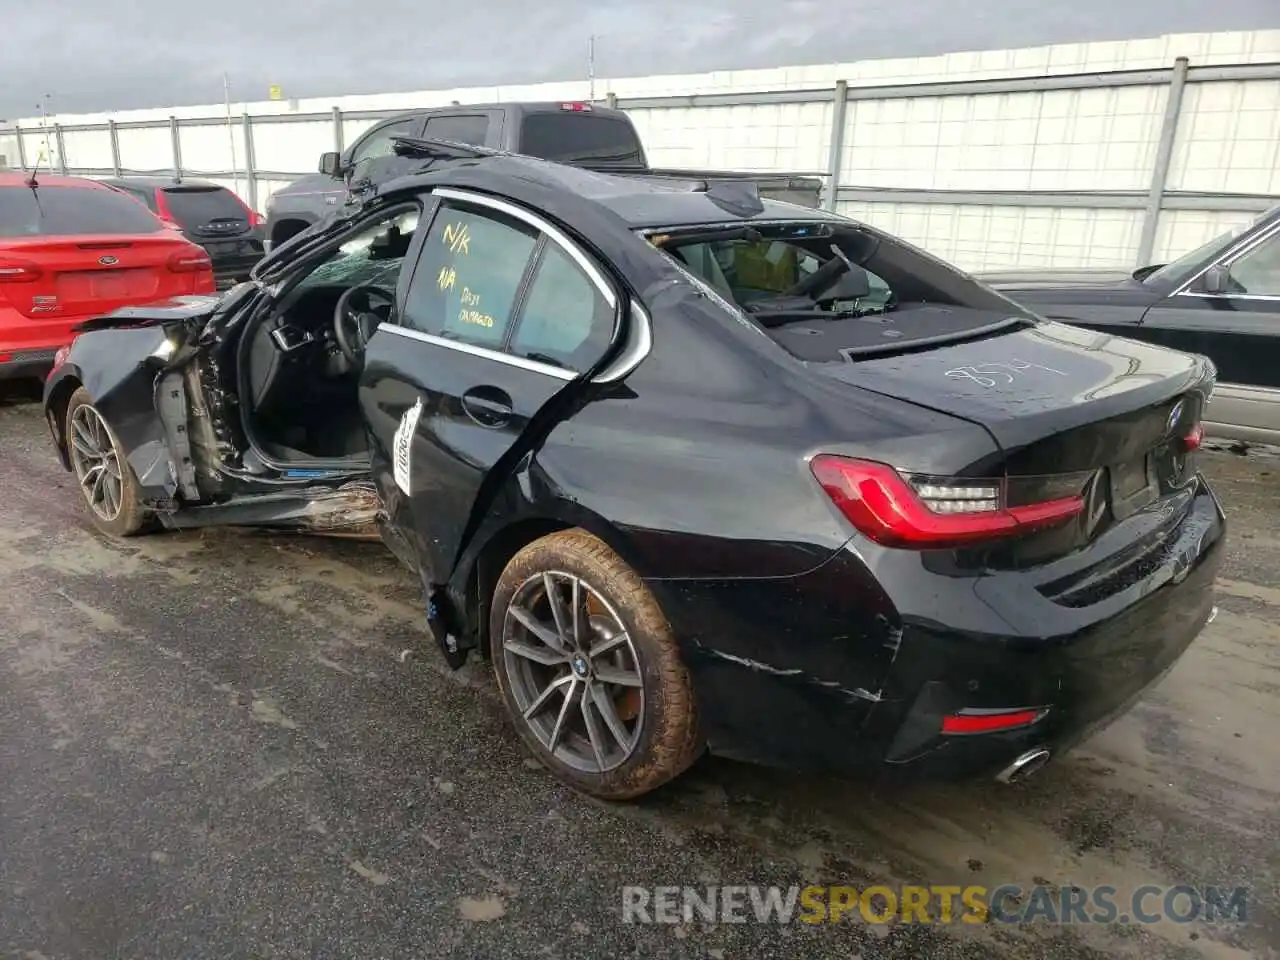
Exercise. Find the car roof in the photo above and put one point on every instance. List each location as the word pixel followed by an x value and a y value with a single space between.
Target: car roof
pixel 521 106
pixel 640 201
pixel 162 183
pixel 18 178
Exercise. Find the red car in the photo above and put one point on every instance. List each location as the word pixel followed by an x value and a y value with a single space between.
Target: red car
pixel 72 249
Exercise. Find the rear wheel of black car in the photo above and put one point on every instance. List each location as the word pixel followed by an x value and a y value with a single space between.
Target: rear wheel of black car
pixel 589 669
pixel 106 480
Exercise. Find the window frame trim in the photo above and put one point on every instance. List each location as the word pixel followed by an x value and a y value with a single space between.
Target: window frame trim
pixel 638 343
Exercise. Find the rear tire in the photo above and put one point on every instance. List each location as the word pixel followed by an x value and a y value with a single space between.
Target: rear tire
pixel 608 706
pixel 103 475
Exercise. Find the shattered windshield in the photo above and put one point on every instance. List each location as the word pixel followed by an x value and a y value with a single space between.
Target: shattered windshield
pixel 373 256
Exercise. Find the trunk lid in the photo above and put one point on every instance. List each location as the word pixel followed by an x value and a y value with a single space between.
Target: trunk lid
pixel 75 275
pixel 1074 413
pixel 1045 382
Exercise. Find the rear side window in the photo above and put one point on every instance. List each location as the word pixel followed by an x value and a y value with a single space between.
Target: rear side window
pixel 71 211
pixel 194 207
pixel 574 136
pixel 468 276
pixel 565 321
pixel 473 128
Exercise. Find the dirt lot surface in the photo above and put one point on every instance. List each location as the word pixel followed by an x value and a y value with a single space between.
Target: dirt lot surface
pixel 231 745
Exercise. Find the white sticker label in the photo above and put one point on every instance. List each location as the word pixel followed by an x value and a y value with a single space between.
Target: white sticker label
pixel 402 446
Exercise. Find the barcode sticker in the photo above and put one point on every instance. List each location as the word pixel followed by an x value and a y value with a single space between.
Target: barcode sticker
pixel 402 447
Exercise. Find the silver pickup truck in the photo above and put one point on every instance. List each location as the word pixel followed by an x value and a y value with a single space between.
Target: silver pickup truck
pixel 582 134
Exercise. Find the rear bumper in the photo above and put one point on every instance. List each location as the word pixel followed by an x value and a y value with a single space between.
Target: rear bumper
pixel 18 364
pixel 800 690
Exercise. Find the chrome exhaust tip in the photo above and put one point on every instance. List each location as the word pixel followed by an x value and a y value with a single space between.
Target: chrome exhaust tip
pixel 1024 766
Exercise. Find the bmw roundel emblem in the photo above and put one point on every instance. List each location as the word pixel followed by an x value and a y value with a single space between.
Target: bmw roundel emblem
pixel 108 261
pixel 1175 415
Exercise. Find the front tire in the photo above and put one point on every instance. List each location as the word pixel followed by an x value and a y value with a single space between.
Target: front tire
pixel 589 670
pixel 106 481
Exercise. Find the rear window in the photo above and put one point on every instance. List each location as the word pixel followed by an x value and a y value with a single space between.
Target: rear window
pixel 196 207
pixel 581 137
pixel 891 295
pixel 472 128
pixel 68 211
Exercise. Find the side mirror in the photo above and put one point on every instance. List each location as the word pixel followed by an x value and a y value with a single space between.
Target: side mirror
pixel 330 163
pixel 1217 279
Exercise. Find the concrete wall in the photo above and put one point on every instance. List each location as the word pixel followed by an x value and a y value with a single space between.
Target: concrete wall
pixel 1032 157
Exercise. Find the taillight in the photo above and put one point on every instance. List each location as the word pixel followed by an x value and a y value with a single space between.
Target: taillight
pixel 1191 442
pixel 576 107
pixel 164 213
pixel 60 357
pixel 18 271
pixel 883 506
pixel 989 721
pixel 189 261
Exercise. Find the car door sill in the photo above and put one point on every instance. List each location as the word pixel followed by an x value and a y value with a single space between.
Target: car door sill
pixel 351 508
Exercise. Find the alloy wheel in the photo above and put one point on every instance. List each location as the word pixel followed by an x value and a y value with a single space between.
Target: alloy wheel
pixel 97 466
pixel 573 671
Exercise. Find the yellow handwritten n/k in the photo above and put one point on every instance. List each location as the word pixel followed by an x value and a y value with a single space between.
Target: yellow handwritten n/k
pixel 457 238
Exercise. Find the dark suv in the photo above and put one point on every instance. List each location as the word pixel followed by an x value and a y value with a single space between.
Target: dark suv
pixel 207 214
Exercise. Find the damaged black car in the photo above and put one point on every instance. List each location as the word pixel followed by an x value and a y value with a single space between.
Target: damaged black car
pixel 692 469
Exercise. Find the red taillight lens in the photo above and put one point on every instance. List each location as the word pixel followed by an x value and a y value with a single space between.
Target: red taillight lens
pixel 164 213
pixel 60 357
pixel 576 107
pixel 885 508
pixel 18 271
pixel 989 721
pixel 189 261
pixel 1191 442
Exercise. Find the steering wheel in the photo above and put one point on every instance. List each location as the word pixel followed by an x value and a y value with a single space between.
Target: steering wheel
pixel 356 317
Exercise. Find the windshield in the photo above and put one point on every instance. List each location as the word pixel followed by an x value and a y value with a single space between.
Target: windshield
pixel 1179 271
pixel 51 211
pixel 373 256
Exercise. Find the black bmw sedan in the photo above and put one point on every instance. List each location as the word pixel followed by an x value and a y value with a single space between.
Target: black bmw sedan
pixel 691 469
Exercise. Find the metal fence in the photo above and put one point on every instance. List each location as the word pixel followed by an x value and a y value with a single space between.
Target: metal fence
pixel 1155 198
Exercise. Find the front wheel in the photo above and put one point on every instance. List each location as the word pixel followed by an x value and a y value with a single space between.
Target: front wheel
pixel 106 480
pixel 589 670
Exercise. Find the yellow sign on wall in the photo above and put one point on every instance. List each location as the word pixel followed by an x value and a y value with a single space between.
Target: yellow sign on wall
pixel 275 92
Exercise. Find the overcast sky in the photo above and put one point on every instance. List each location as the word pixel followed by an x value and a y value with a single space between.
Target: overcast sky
pixel 90 56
